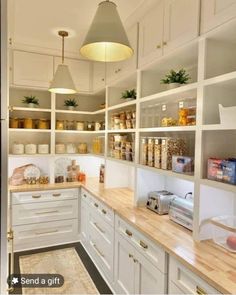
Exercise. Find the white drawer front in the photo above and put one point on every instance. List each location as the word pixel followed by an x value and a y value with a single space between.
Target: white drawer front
pixel 44 196
pixel 34 236
pixel 43 212
pixel 155 254
pixel 187 281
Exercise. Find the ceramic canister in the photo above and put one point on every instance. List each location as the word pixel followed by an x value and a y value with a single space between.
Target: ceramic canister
pixel 43 148
pixel 30 148
pixel 18 149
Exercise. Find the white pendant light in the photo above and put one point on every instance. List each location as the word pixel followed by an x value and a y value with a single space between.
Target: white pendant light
pixel 62 82
pixel 106 39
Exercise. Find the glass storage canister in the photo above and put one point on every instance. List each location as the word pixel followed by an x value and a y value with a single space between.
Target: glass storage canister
pixel 60 125
pixel 28 123
pixel 60 148
pixel 18 149
pixel 79 126
pixel 157 153
pixel 43 124
pixel 90 126
pixel 151 143
pixel 71 148
pixel 82 148
pixel 43 148
pixel 31 149
pixel 70 125
pixel 14 123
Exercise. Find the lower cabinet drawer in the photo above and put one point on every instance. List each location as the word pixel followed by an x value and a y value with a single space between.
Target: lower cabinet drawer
pixel 44 212
pixel 187 281
pixel 39 235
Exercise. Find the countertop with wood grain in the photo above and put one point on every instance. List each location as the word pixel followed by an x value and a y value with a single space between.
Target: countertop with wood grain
pixel 209 261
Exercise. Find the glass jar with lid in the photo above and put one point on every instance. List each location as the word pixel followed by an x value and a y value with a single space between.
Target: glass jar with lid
pixel 60 125
pixel 43 124
pixel 14 123
pixel 151 143
pixel 144 151
pixel 79 125
pixel 28 123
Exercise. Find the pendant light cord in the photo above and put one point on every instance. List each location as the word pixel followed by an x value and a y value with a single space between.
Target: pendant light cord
pixel 63 45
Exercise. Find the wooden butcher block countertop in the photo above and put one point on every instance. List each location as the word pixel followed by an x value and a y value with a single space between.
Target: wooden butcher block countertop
pixel 209 261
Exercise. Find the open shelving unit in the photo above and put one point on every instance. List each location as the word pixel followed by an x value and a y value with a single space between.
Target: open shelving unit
pixel 213 82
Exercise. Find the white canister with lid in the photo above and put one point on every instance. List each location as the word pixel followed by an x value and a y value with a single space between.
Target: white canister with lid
pixel 18 149
pixel 60 148
pixel 31 149
pixel 43 148
pixel 71 148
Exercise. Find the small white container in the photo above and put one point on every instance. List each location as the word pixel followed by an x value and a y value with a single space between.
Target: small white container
pixel 30 149
pixel 227 115
pixel 224 232
pixel 60 148
pixel 71 148
pixel 18 149
pixel 43 148
pixel 80 126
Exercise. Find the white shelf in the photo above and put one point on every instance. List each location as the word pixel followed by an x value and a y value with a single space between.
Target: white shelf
pixel 80 112
pixel 189 89
pixel 12 108
pixel 122 131
pixel 79 155
pixel 219 185
pixel 220 79
pixel 122 105
pixel 167 173
pixel 217 127
pixel 168 129
pixel 79 132
pixel 55 155
pixel 29 130
pixel 31 156
pixel 129 163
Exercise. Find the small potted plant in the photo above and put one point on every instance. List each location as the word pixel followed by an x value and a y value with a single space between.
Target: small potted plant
pixel 31 101
pixel 71 104
pixel 176 78
pixel 129 94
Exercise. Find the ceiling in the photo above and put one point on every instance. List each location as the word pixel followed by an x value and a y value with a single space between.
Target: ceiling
pixel 35 22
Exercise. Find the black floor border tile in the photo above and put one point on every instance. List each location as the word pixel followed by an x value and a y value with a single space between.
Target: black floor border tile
pixel 98 280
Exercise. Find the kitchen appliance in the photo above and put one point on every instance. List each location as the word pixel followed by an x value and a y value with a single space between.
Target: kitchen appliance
pixel 159 201
pixel 181 212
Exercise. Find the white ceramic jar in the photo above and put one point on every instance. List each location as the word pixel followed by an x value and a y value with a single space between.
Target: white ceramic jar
pixel 18 149
pixel 60 148
pixel 43 148
pixel 31 149
pixel 71 148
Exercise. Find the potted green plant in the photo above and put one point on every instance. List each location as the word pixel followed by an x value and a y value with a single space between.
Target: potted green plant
pixel 176 78
pixel 31 101
pixel 129 94
pixel 71 104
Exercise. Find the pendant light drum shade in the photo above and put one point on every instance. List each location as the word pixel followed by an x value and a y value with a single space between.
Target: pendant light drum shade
pixel 106 39
pixel 62 82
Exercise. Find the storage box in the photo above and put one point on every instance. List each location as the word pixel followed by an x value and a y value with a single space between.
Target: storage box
pixel 224 232
pixel 227 115
pixel 182 164
pixel 222 170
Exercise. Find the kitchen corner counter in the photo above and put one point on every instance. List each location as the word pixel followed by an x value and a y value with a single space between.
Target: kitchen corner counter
pixel 209 261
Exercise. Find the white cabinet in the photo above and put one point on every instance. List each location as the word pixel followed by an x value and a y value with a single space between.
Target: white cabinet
pixel 216 12
pixel 84 219
pixel 80 71
pixel 180 27
pixel 116 70
pixel 151 34
pixel 183 280
pixel 32 69
pixel 99 69
pixel 166 27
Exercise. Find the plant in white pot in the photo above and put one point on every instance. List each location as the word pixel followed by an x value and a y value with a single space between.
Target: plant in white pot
pixel 176 78
pixel 31 101
pixel 71 104
pixel 129 94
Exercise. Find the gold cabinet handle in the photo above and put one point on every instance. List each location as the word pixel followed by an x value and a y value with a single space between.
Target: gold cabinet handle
pixel 85 196
pixel 129 233
pixel 10 238
pixel 47 212
pixel 56 195
pixel 104 211
pixel 164 43
pixel 98 251
pixel 36 196
pixel 143 245
pixel 99 228
pixel 135 260
pixel 96 205
pixel 130 255
pixel 46 232
pixel 158 46
pixel 200 291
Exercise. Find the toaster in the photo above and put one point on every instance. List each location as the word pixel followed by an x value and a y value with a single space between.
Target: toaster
pixel 159 201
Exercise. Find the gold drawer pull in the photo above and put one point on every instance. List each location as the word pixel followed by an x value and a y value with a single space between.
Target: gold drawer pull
pixel 135 260
pixel 128 233
pixel 47 212
pixel 99 228
pixel 200 291
pixel 130 255
pixel 36 196
pixel 96 205
pixel 85 196
pixel 46 232
pixel 142 244
pixel 98 251
pixel 56 195
pixel 104 211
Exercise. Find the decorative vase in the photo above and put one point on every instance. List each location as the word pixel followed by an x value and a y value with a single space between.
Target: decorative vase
pixel 173 85
pixel 31 105
pixel 70 108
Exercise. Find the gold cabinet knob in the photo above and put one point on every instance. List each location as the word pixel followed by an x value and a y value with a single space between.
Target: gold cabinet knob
pixel 158 46
pixel 164 43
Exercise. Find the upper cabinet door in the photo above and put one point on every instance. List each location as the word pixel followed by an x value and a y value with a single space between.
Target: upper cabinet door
pixel 181 23
pixel 32 69
pixel 216 12
pixel 98 75
pixel 151 34
pixel 80 72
